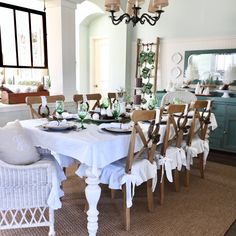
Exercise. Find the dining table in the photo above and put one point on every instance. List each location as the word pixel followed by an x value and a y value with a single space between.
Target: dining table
pixel 93 147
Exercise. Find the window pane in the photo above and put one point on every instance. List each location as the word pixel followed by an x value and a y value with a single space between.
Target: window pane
pixel 37 40
pixel 23 38
pixel 8 36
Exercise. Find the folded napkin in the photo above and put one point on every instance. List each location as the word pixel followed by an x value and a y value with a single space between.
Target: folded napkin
pixel 43 101
pixel 198 89
pixel 55 123
pixel 67 115
pixel 157 120
pixel 115 125
pixel 206 91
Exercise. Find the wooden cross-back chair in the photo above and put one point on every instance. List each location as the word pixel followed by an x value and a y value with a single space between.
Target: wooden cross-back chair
pixel 198 131
pixel 172 156
pixel 112 97
pixel 96 97
pixel 135 161
pixel 32 101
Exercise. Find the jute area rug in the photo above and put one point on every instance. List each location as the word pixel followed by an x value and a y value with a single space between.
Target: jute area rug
pixel 208 208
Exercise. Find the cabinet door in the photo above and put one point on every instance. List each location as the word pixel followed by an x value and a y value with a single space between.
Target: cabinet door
pixel 230 129
pixel 216 140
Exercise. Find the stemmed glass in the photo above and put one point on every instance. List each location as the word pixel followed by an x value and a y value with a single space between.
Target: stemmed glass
pixel 116 109
pixel 82 112
pixel 59 108
pixel 105 103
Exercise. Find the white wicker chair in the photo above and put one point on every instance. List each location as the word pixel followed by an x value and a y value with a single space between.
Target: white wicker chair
pixel 185 96
pixel 24 191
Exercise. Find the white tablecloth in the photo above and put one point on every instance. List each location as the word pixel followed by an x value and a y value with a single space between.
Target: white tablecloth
pixel 90 146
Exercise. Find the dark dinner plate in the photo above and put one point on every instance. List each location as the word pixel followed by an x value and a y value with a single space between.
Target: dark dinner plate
pixel 118 130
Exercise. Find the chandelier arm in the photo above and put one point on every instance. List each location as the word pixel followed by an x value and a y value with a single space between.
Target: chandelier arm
pixel 116 20
pixel 150 19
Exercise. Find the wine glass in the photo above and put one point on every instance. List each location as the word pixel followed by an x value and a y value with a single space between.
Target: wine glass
pixel 82 112
pixel 116 109
pixel 59 108
pixel 105 103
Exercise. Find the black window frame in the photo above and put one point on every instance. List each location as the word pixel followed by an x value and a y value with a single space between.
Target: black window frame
pixel 29 11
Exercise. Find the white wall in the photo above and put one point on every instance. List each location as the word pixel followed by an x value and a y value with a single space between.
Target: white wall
pixel 188 25
pixel 102 27
pixel 61 47
pixel 68 50
pixel 82 79
pixel 171 46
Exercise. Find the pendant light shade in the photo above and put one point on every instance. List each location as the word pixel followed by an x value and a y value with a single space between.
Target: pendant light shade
pixel 112 8
pixel 133 11
pixel 129 7
pixel 160 3
pixel 112 3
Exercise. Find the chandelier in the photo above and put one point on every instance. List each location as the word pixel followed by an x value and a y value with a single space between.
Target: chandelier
pixel 133 11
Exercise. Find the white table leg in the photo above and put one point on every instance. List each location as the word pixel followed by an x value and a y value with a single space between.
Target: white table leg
pixel 92 193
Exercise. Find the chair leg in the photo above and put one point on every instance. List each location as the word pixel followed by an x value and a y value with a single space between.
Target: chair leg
pixel 113 193
pixel 162 191
pixel 186 177
pixel 150 195
pixel 126 210
pixel 51 220
pixel 201 165
pixel 176 180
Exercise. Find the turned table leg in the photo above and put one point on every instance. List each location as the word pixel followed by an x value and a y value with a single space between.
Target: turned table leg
pixel 92 193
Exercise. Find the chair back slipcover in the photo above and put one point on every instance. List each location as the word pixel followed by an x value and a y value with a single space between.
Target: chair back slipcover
pixel 182 96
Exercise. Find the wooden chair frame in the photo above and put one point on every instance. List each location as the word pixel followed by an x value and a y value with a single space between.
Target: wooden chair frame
pixel 78 98
pixel 33 100
pixel 153 137
pixel 112 97
pixel 199 110
pixel 180 128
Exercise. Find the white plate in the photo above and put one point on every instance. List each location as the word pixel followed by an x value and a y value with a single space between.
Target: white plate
pixel 118 130
pixel 175 72
pixel 59 127
pixel 176 58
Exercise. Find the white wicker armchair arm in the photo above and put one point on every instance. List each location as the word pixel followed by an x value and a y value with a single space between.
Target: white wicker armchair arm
pixel 25 186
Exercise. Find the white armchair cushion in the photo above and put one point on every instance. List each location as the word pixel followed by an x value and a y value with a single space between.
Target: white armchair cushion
pixel 15 146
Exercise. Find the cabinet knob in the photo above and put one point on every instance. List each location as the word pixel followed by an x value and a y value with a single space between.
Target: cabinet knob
pixel 225 132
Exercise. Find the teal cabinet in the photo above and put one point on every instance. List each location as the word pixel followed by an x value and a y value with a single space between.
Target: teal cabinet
pixel 223 138
pixel 230 128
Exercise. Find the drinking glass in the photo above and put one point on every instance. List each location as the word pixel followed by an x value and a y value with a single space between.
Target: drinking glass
pixel 82 112
pixel 59 108
pixel 105 103
pixel 116 109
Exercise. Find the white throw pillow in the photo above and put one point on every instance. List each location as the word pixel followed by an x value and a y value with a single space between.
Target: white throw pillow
pixel 15 146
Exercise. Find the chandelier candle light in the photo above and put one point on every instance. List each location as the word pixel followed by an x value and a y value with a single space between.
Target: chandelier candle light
pixel 133 9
